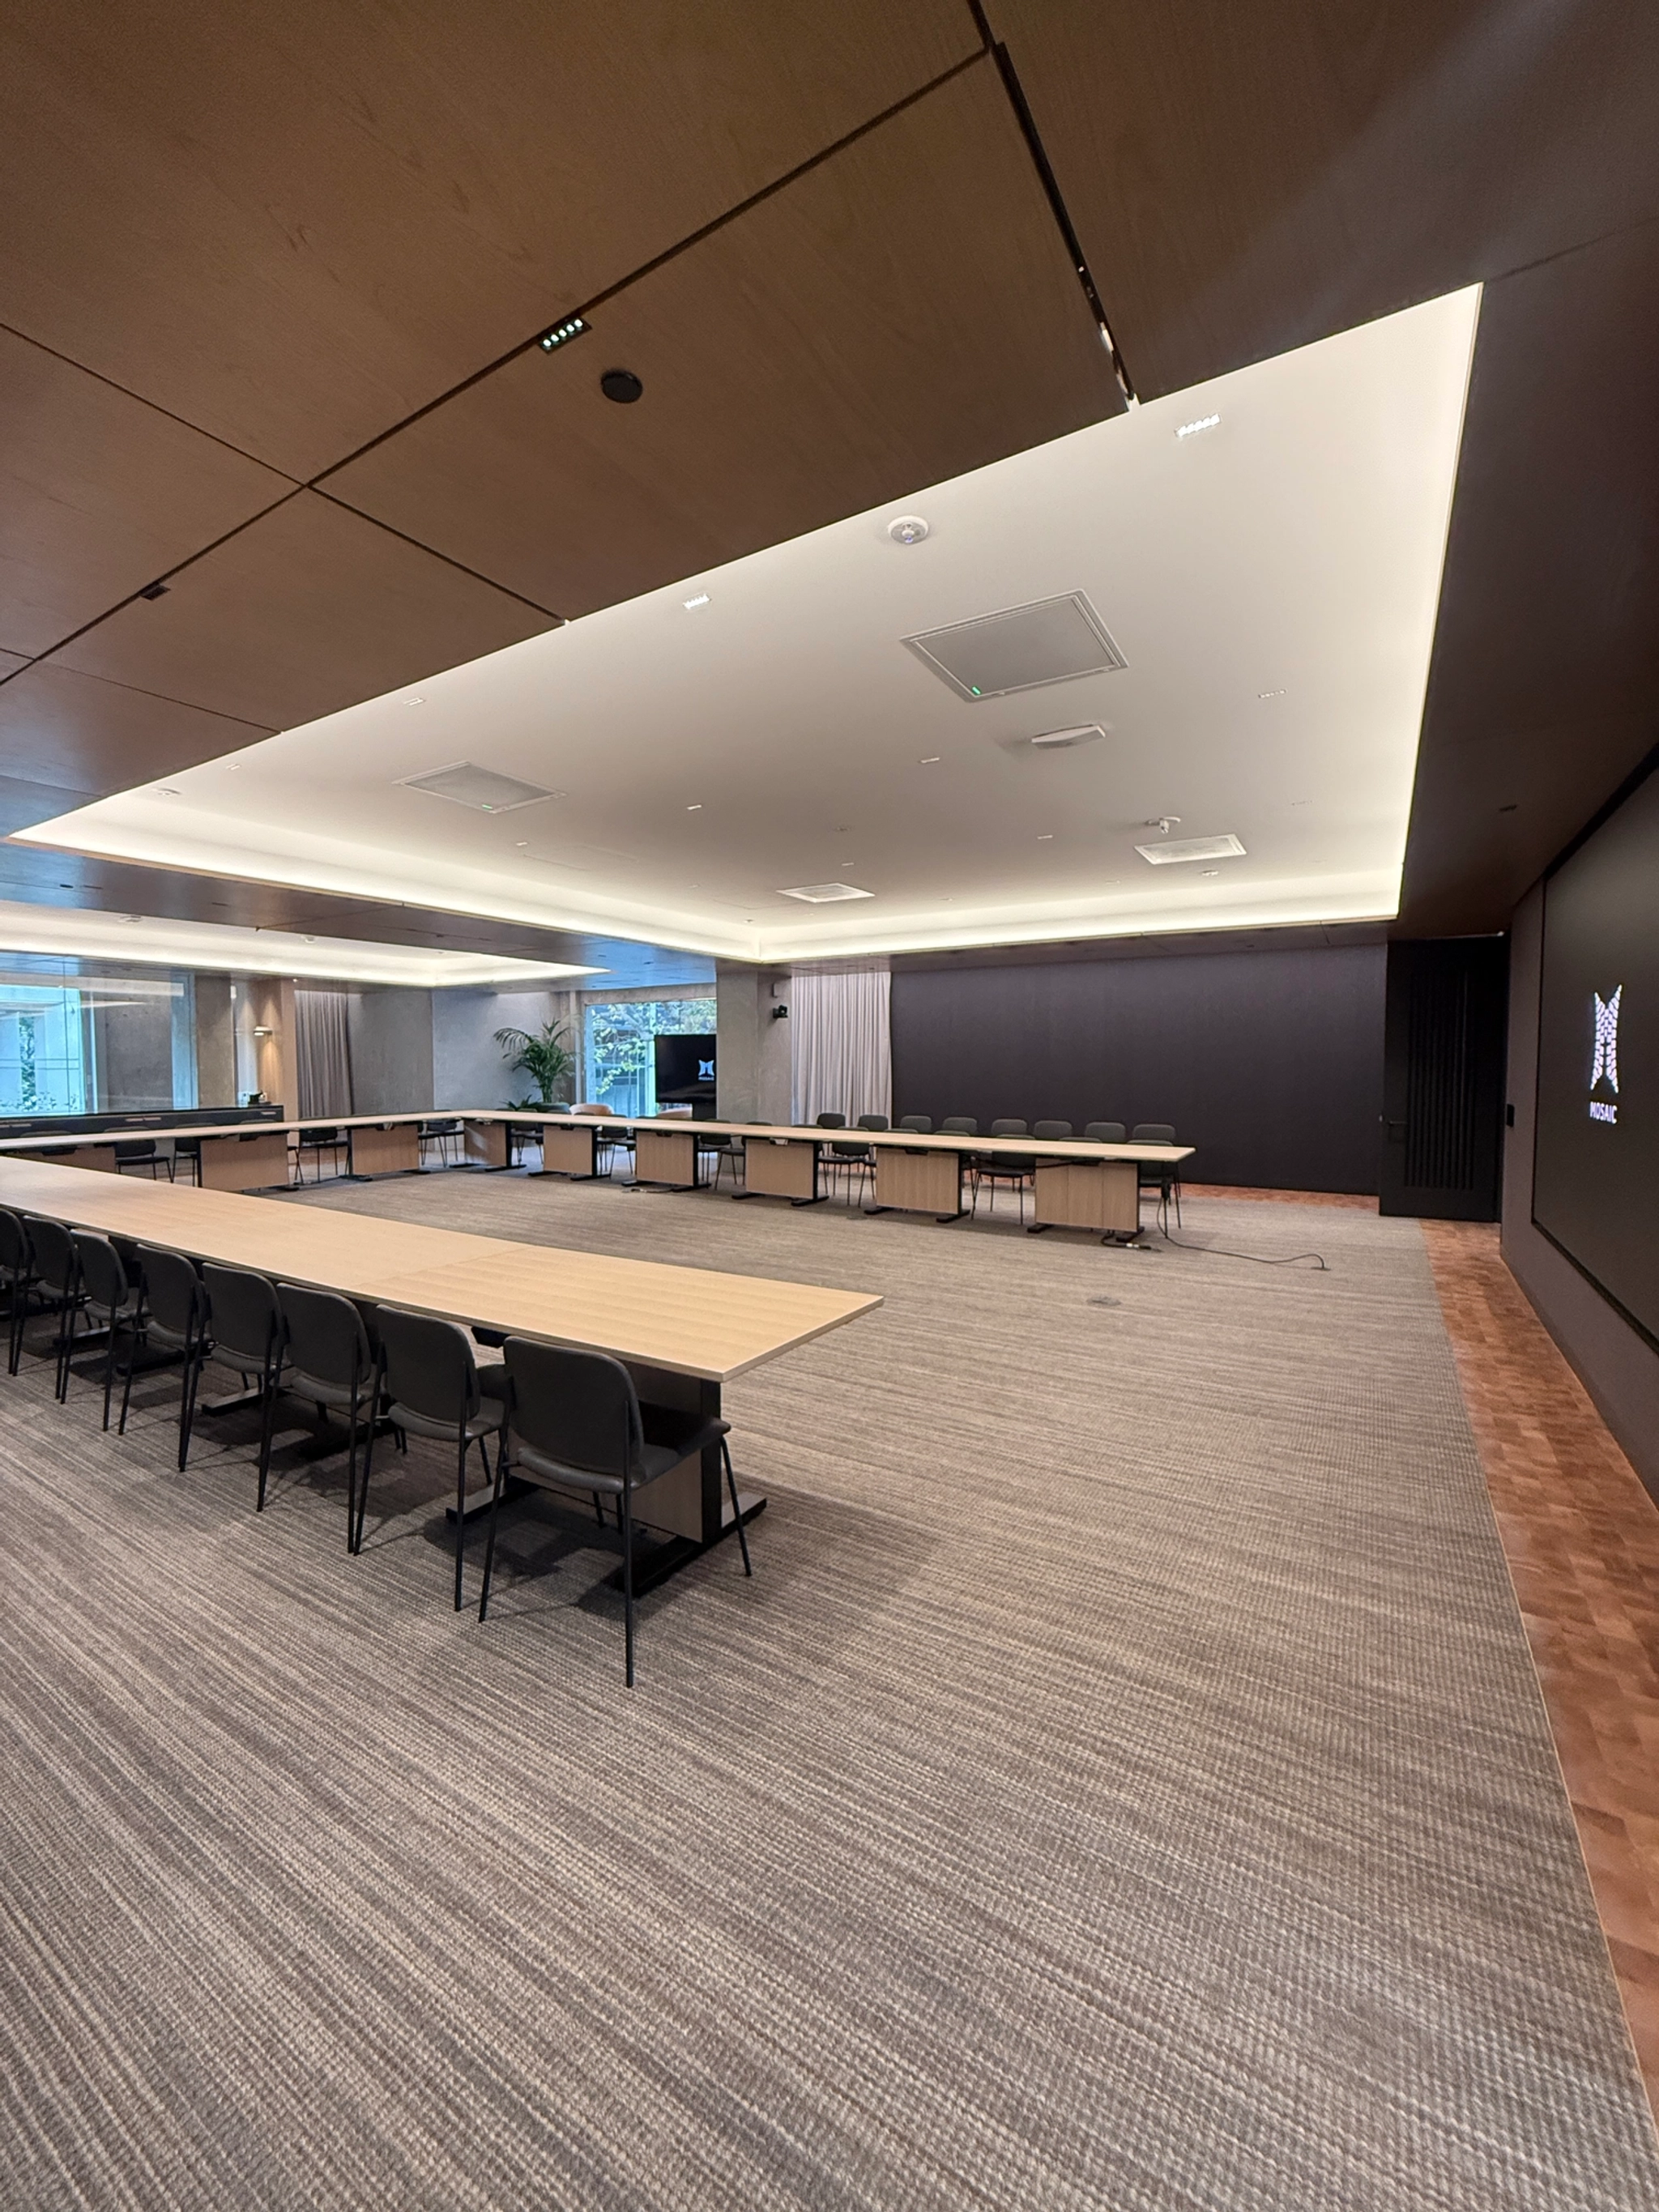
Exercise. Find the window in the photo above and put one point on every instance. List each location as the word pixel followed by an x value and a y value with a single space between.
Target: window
pixel 45 1046
pixel 78 1041
pixel 619 1063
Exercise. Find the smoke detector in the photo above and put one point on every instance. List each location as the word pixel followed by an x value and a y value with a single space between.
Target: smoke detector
pixel 908 530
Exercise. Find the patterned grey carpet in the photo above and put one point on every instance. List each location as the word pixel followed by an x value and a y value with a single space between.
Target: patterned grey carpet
pixel 1122 1784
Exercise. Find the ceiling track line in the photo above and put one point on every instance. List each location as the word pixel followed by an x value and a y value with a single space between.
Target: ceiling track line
pixel 178 568
pixel 646 268
pixel 1057 207
pixel 448 560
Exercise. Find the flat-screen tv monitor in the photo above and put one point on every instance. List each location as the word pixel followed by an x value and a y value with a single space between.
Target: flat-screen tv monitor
pixel 685 1074
pixel 1595 1169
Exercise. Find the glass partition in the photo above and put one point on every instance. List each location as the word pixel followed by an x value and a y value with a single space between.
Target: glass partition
pixel 79 1037
pixel 618 1047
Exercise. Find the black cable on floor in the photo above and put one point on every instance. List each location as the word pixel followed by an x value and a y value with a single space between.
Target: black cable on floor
pixel 1258 1259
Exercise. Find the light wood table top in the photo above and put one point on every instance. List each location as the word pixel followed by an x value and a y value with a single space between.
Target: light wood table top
pixel 1077 1148
pixel 691 1321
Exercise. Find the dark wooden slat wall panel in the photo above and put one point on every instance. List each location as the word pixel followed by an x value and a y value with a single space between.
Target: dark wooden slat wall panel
pixel 1245 178
pixel 308 610
pixel 902 312
pixel 90 738
pixel 1544 689
pixel 100 495
pixel 293 226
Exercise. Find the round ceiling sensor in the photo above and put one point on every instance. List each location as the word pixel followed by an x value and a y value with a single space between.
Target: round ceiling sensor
pixel 622 385
pixel 908 530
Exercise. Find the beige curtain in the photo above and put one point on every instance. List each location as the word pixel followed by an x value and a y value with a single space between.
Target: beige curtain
pixel 841 1043
pixel 325 1054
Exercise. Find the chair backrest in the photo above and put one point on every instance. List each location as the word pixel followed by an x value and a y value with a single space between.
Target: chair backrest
pixel 137 1148
pixel 1051 1129
pixel 591 1109
pixel 430 1365
pixel 327 1136
pixel 54 1252
pixel 1152 1133
pixel 921 1124
pixel 246 1320
pixel 959 1125
pixel 16 1253
pixel 874 1122
pixel 1104 1132
pixel 579 1407
pixel 1006 1128
pixel 325 1335
pixel 102 1276
pixel 173 1292
pixel 832 1121
pixel 440 1128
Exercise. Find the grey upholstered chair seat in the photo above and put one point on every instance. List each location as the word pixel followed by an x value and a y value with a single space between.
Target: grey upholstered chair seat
pixel 670 1439
pixel 489 1417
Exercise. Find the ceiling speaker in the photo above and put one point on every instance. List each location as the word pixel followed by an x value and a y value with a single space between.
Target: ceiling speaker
pixel 479 788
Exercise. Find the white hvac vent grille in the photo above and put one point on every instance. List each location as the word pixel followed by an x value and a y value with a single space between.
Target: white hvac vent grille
pixel 1049 642
pixel 479 788
pixel 824 894
pixel 1192 848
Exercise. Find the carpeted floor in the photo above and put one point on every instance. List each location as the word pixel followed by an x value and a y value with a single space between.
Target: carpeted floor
pixel 1123 1783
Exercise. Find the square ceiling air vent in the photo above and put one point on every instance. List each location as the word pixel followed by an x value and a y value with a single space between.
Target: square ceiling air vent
pixel 1192 848
pixel 1049 642
pixel 479 788
pixel 825 894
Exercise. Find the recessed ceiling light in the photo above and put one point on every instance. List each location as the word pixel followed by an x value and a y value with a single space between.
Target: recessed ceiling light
pixel 930 760
pixel 573 327
pixel 696 807
pixel 1210 871
pixel 825 894
pixel 1045 836
pixel 1279 694
pixel 167 790
pixel 419 700
pixel 701 600
pixel 907 530
pixel 1082 733
pixel 1201 423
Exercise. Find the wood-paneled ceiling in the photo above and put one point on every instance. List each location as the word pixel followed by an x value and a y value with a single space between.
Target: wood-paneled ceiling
pixel 271 282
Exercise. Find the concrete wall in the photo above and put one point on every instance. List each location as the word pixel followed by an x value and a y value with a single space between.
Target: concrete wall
pixel 467 1066
pixel 1615 1364
pixel 752 1059
pixel 390 1033
pixel 216 1042
pixel 133 1048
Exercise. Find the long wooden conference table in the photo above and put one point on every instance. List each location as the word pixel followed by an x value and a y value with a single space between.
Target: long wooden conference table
pixel 683 1332
pixel 1078 1183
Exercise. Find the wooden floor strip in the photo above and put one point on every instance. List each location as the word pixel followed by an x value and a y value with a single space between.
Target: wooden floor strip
pixel 1582 1537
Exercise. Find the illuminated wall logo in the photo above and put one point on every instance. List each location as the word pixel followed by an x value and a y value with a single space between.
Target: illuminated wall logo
pixel 1604 1068
pixel 706 1071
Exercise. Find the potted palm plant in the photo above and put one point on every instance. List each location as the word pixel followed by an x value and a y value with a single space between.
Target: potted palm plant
pixel 542 1055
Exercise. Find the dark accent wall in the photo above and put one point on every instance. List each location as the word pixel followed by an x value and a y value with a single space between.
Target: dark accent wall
pixel 1442 1077
pixel 1270 1063
pixel 1616 1365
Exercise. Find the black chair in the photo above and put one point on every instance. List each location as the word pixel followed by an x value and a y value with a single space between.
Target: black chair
pixel 921 1124
pixel 429 1385
pixel 141 1152
pixel 187 1153
pixel 331 1363
pixel 521 1136
pixel 108 1300
pixel 846 1159
pixel 20 1279
pixel 58 1271
pixel 325 1137
pixel 958 1125
pixel 725 1152
pixel 1104 1132
pixel 1052 1132
pixel 1017 1169
pixel 247 1326
pixel 1154 1174
pixel 448 1137
pixel 174 1318
pixel 576 1425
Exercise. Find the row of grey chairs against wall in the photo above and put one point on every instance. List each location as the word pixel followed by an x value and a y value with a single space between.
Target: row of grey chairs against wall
pixel 563 1420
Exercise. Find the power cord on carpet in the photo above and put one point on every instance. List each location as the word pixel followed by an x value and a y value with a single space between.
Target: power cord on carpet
pixel 1258 1259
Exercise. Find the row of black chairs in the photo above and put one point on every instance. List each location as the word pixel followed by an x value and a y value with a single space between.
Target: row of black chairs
pixel 1016 1169
pixel 567 1421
